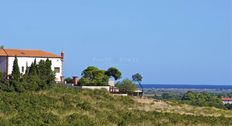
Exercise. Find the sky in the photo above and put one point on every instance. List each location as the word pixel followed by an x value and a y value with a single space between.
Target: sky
pixel 166 41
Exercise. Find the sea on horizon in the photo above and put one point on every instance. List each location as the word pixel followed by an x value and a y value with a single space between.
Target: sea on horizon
pixel 187 86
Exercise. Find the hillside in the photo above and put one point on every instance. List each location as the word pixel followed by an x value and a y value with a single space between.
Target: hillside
pixel 66 106
pixel 178 108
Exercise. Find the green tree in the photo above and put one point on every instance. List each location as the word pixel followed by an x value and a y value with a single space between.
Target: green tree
pixel 44 72
pixel 90 72
pixel 39 76
pixel 202 99
pixel 68 80
pixel 126 86
pixel 33 68
pixel 189 96
pixel 15 73
pixel 138 78
pixel 50 74
pixel 228 106
pixel 27 69
pixel 114 72
pixel 32 83
pixel 92 76
pixel 2 47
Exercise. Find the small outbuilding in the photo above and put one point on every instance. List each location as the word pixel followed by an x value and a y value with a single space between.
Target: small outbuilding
pixel 227 100
pixel 138 93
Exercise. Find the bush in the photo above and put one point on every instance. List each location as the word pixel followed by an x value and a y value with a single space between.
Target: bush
pixel 202 99
pixel 126 86
pixel 228 106
pixel 68 80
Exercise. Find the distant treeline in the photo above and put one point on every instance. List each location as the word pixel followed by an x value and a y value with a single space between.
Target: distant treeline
pixel 197 98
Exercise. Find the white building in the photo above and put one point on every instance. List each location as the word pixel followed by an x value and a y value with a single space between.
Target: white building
pixel 227 100
pixel 111 83
pixel 27 57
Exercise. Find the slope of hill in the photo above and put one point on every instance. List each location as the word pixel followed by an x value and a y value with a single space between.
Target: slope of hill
pixel 175 107
pixel 67 106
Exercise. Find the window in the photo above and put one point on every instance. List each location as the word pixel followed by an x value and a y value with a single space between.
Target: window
pixel 57 69
pixel 22 69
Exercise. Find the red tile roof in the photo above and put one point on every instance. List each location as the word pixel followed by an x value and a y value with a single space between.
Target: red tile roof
pixel 227 99
pixel 27 53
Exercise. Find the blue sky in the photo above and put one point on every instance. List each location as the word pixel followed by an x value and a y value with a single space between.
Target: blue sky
pixel 167 41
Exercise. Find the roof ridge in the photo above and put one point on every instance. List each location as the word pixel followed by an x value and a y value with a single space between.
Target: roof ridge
pixel 24 49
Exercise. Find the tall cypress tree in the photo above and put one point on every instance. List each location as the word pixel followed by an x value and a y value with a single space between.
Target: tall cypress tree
pixel 15 73
pixel 27 69
pixel 33 69
pixel 50 74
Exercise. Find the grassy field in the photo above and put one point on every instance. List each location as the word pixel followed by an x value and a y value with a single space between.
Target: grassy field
pixel 175 107
pixel 66 106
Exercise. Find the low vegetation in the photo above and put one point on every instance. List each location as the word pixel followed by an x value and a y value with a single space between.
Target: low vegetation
pixel 228 106
pixel 68 106
pixel 203 99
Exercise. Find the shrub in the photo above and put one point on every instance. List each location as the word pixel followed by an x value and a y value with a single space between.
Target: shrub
pixel 126 86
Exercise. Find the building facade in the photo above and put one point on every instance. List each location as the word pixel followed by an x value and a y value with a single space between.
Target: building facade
pixel 227 100
pixel 27 57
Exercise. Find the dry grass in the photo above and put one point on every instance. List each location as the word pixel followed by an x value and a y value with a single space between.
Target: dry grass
pixel 170 107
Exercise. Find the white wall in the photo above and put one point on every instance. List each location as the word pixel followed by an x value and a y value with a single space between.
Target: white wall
pixel 24 61
pixel 124 95
pixel 94 87
pixel 227 102
pixel 111 83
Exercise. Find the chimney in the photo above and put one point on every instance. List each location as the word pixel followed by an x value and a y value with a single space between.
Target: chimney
pixel 62 55
pixel 75 80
